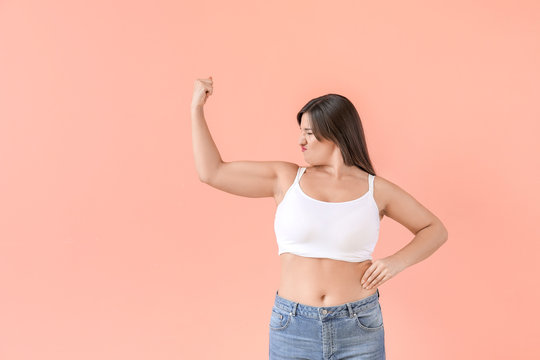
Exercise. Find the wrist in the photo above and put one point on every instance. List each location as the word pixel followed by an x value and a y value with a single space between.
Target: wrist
pixel 400 263
pixel 197 107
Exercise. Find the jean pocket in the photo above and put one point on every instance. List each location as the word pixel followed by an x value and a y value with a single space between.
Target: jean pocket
pixel 370 319
pixel 279 319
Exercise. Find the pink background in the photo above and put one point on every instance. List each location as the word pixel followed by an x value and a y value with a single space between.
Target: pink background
pixel 111 248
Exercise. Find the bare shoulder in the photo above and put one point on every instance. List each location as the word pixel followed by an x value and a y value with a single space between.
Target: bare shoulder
pixel 286 173
pixel 381 189
pixel 286 166
pixel 386 190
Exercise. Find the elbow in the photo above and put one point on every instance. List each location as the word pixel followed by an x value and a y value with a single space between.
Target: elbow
pixel 444 230
pixel 203 179
pixel 444 233
pixel 445 236
pixel 209 173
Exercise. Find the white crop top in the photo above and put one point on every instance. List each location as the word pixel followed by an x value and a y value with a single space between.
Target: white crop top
pixel 346 230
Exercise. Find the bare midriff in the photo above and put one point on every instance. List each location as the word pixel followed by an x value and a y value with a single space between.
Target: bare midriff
pixel 322 281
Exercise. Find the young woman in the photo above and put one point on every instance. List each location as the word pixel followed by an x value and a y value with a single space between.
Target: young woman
pixel 327 225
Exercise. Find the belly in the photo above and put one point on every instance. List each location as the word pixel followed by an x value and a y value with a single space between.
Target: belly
pixel 321 281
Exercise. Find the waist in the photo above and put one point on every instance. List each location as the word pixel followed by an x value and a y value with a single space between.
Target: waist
pixel 321 281
pixel 321 312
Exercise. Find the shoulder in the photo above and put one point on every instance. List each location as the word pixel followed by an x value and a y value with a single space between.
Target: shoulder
pixel 392 196
pixel 286 170
pixel 286 173
pixel 386 191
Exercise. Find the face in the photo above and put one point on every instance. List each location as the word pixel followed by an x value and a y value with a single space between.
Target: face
pixel 317 152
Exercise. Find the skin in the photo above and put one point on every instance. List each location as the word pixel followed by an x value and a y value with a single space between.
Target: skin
pixel 329 282
pixel 318 281
pixel 321 281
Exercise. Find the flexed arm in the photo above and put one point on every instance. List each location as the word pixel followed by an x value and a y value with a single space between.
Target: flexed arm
pixel 205 151
pixel 244 178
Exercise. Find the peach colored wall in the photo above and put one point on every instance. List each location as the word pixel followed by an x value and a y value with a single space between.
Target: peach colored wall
pixel 111 248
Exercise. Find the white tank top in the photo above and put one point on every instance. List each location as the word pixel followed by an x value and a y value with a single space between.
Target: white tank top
pixel 346 230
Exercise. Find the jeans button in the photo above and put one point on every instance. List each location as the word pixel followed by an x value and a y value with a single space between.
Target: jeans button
pixel 324 311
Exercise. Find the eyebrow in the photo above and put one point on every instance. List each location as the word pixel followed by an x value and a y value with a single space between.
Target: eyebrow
pixel 304 128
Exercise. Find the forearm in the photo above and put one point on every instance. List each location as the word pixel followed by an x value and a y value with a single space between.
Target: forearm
pixel 205 151
pixel 425 243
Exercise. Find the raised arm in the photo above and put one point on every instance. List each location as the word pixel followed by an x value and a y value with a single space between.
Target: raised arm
pixel 207 157
pixel 244 178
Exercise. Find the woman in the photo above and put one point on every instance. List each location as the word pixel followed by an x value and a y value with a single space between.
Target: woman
pixel 327 224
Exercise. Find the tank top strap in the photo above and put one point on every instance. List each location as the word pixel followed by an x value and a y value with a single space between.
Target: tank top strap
pixel 299 173
pixel 371 178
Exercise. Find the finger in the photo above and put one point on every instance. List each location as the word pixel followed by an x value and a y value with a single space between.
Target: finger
pixel 374 275
pixel 370 278
pixel 374 282
pixel 379 280
pixel 368 272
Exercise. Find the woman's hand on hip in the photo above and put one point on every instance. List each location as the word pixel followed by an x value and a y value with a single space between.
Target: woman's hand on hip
pixel 379 272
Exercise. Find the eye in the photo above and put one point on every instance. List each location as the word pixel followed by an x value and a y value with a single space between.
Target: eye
pixel 310 133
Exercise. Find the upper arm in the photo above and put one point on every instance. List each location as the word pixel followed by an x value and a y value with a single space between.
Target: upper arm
pixel 404 208
pixel 249 178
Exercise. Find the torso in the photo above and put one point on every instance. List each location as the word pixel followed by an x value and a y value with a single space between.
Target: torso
pixel 322 281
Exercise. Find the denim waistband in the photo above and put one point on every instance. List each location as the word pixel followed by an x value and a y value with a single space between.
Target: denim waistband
pixel 319 312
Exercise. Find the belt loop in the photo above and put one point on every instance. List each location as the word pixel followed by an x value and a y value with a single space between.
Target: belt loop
pixel 351 312
pixel 293 312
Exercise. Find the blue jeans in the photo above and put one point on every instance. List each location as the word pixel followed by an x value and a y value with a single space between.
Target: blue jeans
pixel 349 331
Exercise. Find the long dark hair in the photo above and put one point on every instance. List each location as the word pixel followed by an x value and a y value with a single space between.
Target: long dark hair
pixel 334 117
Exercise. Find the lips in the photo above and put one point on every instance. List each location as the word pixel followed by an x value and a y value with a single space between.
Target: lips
pixel 303 148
